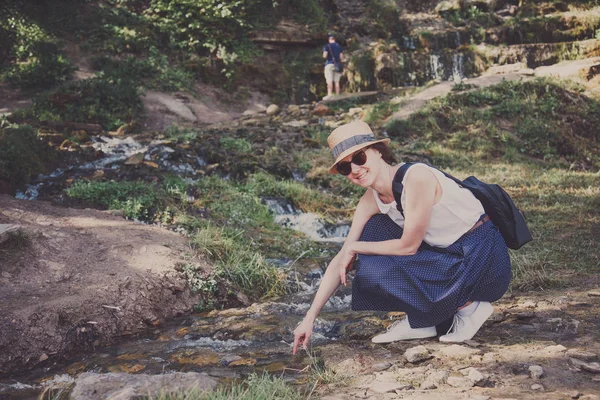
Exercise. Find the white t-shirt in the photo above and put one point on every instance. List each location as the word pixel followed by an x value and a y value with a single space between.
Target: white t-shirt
pixel 454 215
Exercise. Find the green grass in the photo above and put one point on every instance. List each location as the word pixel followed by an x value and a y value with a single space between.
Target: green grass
pixel 137 200
pixel 256 387
pixel 238 262
pixel 539 119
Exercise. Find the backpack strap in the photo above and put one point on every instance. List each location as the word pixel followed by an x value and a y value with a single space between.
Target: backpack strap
pixel 397 185
pixel 332 54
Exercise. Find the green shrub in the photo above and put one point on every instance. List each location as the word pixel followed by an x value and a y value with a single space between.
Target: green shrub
pixel 103 100
pixel 22 154
pixel 45 68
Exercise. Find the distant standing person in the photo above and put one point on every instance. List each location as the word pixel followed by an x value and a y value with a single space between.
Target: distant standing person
pixel 332 53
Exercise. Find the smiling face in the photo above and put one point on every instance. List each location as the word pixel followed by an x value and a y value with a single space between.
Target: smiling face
pixel 364 175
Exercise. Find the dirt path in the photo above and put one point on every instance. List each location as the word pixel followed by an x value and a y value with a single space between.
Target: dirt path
pixel 82 278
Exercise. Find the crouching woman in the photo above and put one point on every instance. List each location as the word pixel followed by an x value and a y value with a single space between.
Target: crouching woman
pixel 441 259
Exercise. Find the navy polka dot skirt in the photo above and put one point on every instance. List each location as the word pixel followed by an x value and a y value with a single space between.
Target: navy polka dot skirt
pixel 430 285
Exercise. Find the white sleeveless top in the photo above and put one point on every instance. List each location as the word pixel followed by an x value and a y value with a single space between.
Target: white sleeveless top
pixel 454 215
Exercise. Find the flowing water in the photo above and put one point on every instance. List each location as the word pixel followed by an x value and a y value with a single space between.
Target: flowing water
pixel 225 344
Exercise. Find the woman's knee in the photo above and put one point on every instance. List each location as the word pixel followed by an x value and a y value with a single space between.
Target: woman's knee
pixel 380 227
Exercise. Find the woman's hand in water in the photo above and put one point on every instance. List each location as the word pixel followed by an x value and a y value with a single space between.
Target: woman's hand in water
pixel 345 263
pixel 302 334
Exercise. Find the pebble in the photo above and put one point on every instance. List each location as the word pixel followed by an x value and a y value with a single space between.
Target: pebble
pixel 536 372
pixel 575 394
pixel 474 376
pixel 537 386
pixel 273 109
pixel 382 366
pixel 416 354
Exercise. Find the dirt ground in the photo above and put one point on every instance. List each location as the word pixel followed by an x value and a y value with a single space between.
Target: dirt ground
pixel 83 278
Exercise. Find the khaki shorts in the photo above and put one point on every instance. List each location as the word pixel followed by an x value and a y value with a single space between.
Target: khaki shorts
pixel 330 74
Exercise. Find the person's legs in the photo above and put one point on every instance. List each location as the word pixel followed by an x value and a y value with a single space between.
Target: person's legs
pixel 336 79
pixel 329 77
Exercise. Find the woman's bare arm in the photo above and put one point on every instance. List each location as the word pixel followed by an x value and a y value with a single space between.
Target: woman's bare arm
pixel 365 209
pixel 420 188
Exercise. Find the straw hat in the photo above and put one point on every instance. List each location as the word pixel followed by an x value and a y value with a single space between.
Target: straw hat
pixel 350 138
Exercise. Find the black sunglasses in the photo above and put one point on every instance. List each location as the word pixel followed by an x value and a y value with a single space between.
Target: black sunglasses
pixel 345 167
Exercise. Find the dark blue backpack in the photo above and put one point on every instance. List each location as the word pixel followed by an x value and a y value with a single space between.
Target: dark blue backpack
pixel 496 202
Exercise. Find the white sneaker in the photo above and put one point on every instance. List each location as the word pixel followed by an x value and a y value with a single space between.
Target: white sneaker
pixel 401 330
pixel 464 327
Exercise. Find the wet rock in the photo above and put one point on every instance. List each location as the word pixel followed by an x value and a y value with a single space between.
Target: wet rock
pixel 68 145
pixel 537 387
pixel 587 366
pixel 535 371
pixel 416 354
pixel 458 351
pixel 458 382
pixel 135 159
pixel 296 124
pixel 293 109
pixel 581 354
pixel 80 136
pixel 434 380
pixel 362 329
pixel 273 109
pixel 97 175
pixel 322 110
pixel 123 386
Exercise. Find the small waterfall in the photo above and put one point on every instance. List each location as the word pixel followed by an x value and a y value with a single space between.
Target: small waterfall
pixel 408 42
pixel 458 43
pixel 458 67
pixel 436 66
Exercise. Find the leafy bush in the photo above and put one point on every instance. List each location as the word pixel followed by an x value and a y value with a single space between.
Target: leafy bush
pixel 22 154
pixel 45 68
pixel 110 102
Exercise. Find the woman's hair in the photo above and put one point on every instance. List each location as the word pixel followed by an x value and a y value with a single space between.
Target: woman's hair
pixel 386 154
